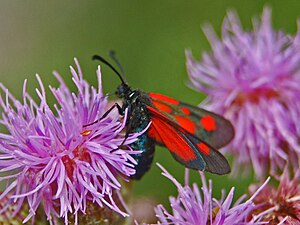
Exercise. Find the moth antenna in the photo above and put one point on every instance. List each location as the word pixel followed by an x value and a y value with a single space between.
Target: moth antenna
pixel 101 59
pixel 112 55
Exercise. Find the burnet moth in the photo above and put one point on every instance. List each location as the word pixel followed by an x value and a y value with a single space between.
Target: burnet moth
pixel 191 134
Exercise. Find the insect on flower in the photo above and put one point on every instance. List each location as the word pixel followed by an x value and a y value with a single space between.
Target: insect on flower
pixel 191 134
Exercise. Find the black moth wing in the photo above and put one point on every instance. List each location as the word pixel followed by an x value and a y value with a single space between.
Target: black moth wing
pixel 217 138
pixel 214 129
pixel 183 145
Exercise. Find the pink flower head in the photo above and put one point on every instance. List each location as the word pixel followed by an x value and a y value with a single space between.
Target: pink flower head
pixel 62 158
pixel 193 206
pixel 280 205
pixel 252 78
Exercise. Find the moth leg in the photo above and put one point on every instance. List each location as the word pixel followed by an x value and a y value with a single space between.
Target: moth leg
pixel 120 110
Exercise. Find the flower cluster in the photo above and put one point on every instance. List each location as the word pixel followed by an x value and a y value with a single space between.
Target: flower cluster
pixel 252 78
pixel 193 206
pixel 66 157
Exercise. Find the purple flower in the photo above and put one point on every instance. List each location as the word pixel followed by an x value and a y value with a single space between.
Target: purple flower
pixel 193 206
pixel 252 78
pixel 67 157
pixel 280 205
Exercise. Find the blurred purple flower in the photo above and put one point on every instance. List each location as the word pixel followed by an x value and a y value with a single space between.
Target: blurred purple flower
pixel 53 158
pixel 253 78
pixel 193 207
pixel 280 205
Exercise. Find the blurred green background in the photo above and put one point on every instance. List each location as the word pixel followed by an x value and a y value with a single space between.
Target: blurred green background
pixel 150 38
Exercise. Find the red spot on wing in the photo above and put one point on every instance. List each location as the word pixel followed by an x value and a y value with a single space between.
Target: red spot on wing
pixel 186 123
pixel 164 98
pixel 185 111
pixel 162 107
pixel 208 123
pixel 204 148
pixel 164 133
